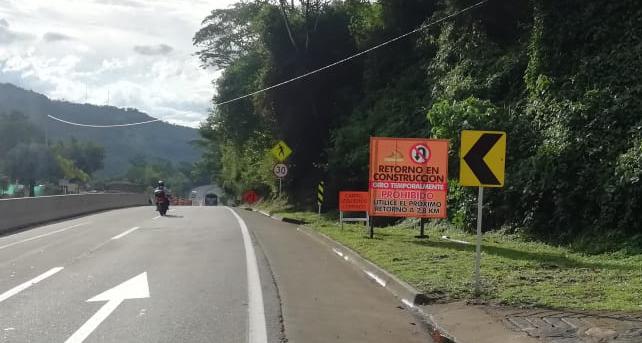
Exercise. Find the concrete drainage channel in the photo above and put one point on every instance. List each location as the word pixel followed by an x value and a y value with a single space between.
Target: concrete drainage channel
pixel 409 296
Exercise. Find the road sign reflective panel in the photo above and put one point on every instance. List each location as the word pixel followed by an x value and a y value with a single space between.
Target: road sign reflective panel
pixel 281 151
pixel 408 177
pixel 280 170
pixel 353 201
pixel 320 192
pixel 482 158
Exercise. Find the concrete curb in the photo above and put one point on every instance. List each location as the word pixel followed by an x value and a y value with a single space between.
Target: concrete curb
pixel 409 296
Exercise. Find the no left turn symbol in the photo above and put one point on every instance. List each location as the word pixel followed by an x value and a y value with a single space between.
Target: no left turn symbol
pixel 420 154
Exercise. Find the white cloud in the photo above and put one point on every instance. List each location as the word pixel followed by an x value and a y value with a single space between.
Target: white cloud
pixel 9 36
pixel 151 50
pixel 55 37
pixel 136 52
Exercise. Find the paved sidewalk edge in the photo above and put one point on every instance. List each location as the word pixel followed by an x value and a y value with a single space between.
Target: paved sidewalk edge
pixel 409 296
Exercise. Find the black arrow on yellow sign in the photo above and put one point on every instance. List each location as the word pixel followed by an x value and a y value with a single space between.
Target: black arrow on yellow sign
pixel 475 158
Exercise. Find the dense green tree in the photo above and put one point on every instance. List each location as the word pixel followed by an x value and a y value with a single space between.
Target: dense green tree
pixel 87 156
pixel 561 77
pixel 16 128
pixel 31 163
pixel 147 173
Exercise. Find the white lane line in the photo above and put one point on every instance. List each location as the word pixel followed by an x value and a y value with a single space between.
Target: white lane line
pixel 258 330
pixel 376 278
pixel 126 233
pixel 43 235
pixel 8 294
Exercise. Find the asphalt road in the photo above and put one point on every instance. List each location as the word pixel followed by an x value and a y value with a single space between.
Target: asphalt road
pixel 201 274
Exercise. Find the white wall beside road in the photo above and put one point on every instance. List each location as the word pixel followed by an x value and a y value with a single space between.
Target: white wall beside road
pixel 18 213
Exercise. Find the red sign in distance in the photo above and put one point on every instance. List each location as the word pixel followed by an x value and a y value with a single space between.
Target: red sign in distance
pixel 353 201
pixel 250 197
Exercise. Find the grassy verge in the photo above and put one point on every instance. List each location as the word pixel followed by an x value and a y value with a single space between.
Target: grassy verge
pixel 514 271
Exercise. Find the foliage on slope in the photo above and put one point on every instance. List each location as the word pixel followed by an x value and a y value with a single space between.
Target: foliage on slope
pixel 562 78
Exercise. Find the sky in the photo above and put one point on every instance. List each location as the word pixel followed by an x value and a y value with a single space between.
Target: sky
pixel 125 53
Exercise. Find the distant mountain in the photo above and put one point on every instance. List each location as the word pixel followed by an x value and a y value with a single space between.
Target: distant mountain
pixel 153 141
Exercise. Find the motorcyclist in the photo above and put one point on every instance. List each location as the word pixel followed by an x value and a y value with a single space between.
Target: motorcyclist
pixel 161 195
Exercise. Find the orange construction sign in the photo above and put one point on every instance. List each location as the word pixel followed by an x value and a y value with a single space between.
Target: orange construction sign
pixel 353 201
pixel 408 177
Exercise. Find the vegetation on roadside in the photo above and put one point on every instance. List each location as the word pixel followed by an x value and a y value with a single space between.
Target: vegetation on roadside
pixel 180 178
pixel 515 271
pixel 561 77
pixel 26 155
pixel 158 140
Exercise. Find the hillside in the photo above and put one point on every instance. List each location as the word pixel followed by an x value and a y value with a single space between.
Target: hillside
pixel 153 141
pixel 560 77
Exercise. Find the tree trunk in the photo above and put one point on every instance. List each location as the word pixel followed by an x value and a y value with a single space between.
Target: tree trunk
pixel 32 189
pixel 286 21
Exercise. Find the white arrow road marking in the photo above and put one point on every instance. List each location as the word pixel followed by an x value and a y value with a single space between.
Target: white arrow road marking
pixel 8 294
pixel 126 233
pixel 134 288
pixel 43 235
pixel 258 330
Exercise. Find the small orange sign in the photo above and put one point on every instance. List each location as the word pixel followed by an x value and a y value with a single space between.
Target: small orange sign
pixel 353 201
pixel 408 177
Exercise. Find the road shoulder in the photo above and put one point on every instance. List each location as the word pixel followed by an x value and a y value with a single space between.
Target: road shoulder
pixel 324 299
pixel 454 322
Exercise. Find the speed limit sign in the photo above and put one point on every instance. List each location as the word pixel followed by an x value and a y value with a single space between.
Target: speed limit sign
pixel 280 170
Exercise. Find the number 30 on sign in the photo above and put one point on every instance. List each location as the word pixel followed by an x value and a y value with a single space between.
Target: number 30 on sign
pixel 280 170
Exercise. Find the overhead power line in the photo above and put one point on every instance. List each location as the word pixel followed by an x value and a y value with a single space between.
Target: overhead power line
pixel 331 65
pixel 102 126
pixel 421 28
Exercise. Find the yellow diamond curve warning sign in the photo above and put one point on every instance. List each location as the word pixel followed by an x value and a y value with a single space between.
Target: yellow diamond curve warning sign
pixel 482 158
pixel 281 151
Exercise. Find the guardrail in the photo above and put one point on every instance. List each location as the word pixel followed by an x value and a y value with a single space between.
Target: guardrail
pixel 23 212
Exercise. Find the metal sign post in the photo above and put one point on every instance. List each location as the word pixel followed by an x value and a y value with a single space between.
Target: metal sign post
pixel 280 186
pixel 422 228
pixel 480 204
pixel 343 218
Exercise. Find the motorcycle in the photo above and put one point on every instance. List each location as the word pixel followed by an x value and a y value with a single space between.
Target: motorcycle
pixel 162 202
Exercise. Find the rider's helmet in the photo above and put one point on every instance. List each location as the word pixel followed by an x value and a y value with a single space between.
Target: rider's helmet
pixel 161 183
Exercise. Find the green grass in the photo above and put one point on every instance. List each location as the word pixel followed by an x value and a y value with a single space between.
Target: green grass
pixel 514 271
